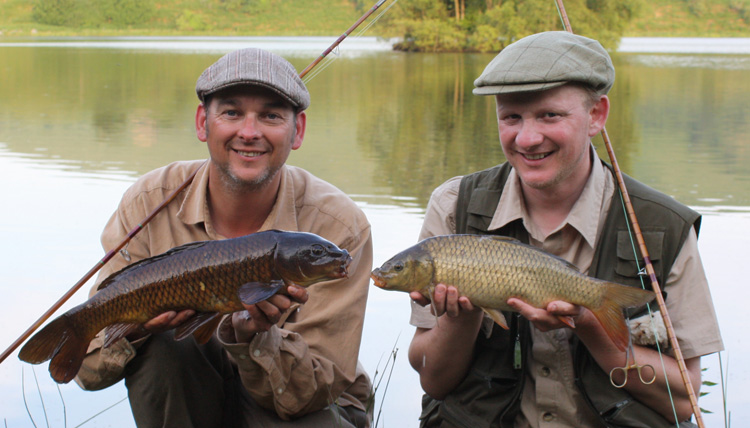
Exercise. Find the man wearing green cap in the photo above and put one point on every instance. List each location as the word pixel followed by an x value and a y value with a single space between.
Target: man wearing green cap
pixel 555 193
pixel 290 361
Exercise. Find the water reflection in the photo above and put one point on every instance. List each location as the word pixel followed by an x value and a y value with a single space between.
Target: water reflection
pixel 78 125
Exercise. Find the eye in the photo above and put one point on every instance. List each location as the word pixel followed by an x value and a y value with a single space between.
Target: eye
pixel 318 250
pixel 398 267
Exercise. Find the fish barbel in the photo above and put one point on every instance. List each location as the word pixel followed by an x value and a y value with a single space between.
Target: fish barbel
pixel 210 277
pixel 489 270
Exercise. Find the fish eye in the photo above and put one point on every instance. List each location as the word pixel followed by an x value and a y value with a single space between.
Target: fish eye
pixel 318 250
pixel 398 267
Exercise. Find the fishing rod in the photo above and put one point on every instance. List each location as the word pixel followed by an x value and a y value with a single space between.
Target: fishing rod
pixel 646 258
pixel 107 257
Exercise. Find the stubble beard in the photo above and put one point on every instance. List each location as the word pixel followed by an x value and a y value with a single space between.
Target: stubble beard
pixel 238 185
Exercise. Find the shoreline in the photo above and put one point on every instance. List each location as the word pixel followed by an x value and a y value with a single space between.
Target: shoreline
pixel 685 45
pixel 656 45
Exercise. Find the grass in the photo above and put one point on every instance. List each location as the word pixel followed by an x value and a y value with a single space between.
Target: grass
pixel 658 18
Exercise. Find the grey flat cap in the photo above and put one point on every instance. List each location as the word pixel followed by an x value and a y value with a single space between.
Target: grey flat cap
pixel 545 61
pixel 254 67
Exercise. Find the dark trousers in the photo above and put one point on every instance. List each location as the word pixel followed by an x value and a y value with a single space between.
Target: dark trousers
pixel 182 384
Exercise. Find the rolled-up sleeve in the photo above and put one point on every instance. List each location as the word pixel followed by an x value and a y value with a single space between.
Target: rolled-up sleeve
pixel 309 360
pixel 439 219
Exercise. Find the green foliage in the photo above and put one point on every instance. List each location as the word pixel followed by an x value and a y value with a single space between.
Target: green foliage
pixel 247 6
pixel 488 26
pixel 57 12
pixel 124 13
pixel 191 21
pixel 92 13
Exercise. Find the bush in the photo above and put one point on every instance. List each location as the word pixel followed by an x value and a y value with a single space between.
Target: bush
pixel 92 13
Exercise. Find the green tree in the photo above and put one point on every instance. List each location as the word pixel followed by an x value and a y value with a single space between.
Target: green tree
pixel 124 13
pixel 93 13
pixel 490 25
pixel 57 12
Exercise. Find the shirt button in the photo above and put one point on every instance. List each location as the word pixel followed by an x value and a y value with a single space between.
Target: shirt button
pixel 243 356
pixel 256 352
pixel 548 417
pixel 545 371
pixel 280 390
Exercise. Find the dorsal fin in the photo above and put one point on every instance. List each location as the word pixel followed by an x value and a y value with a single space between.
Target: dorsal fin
pixel 150 260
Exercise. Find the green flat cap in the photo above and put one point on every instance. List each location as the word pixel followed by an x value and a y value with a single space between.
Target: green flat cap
pixel 547 60
pixel 253 66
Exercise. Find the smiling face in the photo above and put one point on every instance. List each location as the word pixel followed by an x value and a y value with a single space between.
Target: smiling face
pixel 546 135
pixel 250 132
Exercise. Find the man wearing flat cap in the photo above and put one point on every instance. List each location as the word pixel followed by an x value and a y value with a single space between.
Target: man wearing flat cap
pixel 288 361
pixel 556 194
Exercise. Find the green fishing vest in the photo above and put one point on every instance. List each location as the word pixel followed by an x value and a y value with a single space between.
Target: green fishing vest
pixel 489 396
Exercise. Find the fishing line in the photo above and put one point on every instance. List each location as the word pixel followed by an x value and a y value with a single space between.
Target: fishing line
pixel 650 313
pixel 104 410
pixel 336 53
pixel 65 409
pixel 374 20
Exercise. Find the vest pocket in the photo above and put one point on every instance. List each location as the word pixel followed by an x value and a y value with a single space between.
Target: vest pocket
pixel 627 266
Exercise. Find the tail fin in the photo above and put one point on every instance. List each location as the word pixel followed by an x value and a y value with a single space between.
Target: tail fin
pixel 60 342
pixel 610 313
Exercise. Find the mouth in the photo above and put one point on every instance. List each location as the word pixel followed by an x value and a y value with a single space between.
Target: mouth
pixel 535 156
pixel 248 154
pixel 377 279
pixel 344 269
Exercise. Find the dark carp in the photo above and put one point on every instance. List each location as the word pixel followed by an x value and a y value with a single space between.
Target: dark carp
pixel 489 270
pixel 210 277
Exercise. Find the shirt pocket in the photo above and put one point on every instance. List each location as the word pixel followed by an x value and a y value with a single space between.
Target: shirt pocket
pixel 628 266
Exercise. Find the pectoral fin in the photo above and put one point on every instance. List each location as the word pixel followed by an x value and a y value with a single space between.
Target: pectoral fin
pixel 497 316
pixel 201 326
pixel 117 331
pixel 254 292
pixel 567 320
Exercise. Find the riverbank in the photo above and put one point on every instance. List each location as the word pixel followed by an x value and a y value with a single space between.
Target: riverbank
pixel 666 45
pixel 685 45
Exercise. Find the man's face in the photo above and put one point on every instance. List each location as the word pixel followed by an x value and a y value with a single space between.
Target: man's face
pixel 546 135
pixel 250 132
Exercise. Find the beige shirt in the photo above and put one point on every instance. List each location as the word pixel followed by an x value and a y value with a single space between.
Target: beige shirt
pixel 550 398
pixel 308 359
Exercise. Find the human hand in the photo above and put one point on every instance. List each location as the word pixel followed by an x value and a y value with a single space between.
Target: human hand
pixel 446 300
pixel 161 323
pixel 557 314
pixel 262 315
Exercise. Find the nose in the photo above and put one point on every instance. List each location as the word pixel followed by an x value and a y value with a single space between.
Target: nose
pixel 529 134
pixel 250 129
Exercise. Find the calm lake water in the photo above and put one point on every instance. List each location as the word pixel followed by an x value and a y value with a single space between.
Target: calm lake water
pixel 81 119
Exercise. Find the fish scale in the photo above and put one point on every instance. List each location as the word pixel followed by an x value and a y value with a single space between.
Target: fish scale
pixel 209 277
pixel 489 270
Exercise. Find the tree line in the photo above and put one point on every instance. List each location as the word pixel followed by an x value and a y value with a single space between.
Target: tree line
pixel 420 25
pixel 490 25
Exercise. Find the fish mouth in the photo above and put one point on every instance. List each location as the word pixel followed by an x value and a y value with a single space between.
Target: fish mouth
pixel 343 270
pixel 377 279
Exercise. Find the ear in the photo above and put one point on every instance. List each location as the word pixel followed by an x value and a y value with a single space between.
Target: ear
pixel 598 114
pixel 200 123
pixel 299 132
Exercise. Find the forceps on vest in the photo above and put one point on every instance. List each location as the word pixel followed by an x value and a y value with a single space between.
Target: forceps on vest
pixel 627 367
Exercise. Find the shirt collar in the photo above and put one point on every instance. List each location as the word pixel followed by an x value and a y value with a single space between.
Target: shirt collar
pixel 584 216
pixel 194 208
pixel 283 215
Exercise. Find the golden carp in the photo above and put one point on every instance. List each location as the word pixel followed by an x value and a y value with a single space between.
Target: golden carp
pixel 489 270
pixel 210 277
